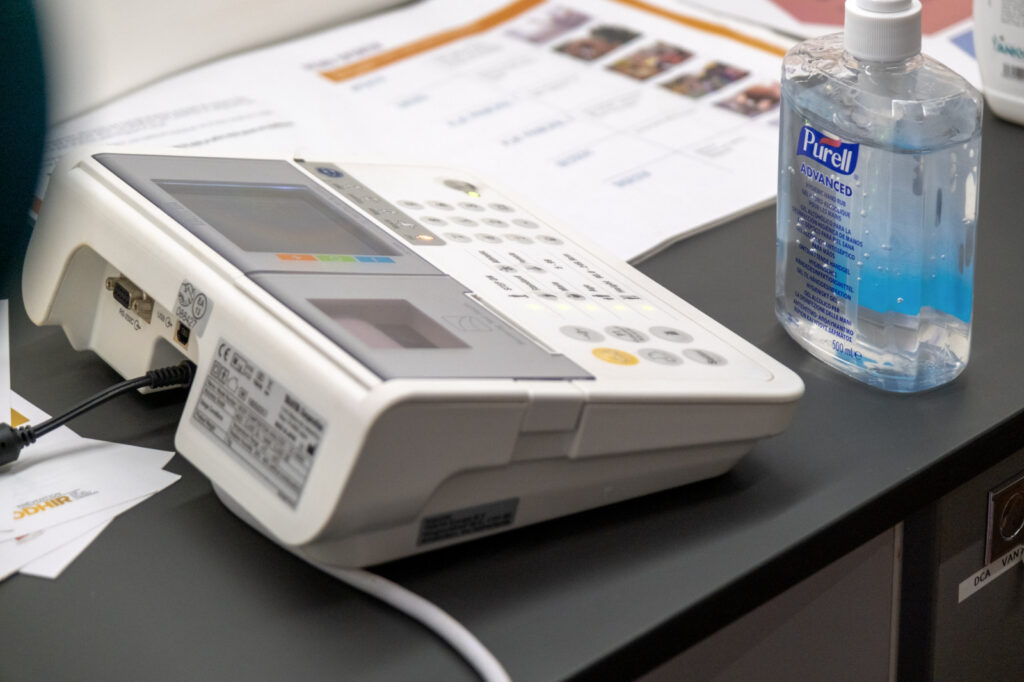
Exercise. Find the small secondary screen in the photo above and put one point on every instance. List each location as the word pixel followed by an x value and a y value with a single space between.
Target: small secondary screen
pixel 277 218
pixel 387 323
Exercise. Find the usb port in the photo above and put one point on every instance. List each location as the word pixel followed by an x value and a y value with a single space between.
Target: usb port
pixel 131 297
pixel 182 334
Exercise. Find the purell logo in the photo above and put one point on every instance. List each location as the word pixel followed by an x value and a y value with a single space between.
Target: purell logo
pixel 837 155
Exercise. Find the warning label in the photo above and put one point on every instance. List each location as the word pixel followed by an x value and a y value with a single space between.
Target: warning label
pixel 469 520
pixel 259 421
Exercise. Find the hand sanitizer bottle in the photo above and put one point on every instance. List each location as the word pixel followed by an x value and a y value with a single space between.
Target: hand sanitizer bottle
pixel 879 150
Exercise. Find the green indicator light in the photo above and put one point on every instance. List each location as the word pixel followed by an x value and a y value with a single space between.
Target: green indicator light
pixel 334 258
pixel 475 195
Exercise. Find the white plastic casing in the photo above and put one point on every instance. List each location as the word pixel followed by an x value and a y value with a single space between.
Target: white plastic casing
pixel 402 465
pixel 999 44
pixel 883 30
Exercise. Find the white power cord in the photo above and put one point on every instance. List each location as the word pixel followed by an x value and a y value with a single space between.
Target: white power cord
pixel 427 613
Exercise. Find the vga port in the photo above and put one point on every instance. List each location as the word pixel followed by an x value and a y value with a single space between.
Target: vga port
pixel 131 297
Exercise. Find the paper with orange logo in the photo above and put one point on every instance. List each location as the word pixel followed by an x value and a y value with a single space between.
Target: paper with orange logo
pixel 53 483
pixel 52 563
pixel 65 487
pixel 47 548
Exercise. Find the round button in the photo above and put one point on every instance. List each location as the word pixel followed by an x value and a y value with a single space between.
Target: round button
pixel 615 356
pixel 489 238
pixel 460 185
pixel 519 239
pixel 431 220
pixel 470 206
pixel 704 357
pixel 523 222
pixel 414 205
pixel 672 334
pixel 465 222
pixel 582 333
pixel 443 205
pixel 661 357
pixel 548 239
pixel 626 334
pixel 504 208
pixel 456 237
pixel 495 222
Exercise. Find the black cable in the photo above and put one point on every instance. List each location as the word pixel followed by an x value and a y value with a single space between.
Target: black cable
pixel 13 440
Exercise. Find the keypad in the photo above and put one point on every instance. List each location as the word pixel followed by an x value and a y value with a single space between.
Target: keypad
pixel 598 315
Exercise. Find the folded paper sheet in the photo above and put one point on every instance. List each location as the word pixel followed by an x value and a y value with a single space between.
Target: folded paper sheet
pixel 64 489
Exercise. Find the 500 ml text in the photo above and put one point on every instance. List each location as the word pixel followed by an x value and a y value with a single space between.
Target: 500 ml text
pixel 842 349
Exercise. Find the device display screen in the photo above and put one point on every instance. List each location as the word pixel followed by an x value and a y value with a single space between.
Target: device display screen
pixel 278 218
pixel 388 323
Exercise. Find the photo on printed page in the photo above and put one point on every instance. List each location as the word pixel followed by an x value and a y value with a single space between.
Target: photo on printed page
pixel 601 41
pixel 544 27
pixel 754 101
pixel 651 61
pixel 714 76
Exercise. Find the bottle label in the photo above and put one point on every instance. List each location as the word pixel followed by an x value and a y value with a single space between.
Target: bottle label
pixel 819 203
pixel 833 153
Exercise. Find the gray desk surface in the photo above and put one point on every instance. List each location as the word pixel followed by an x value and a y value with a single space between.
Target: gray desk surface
pixel 178 588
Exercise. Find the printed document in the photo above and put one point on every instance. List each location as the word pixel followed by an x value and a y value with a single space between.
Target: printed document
pixel 635 122
pixel 947 26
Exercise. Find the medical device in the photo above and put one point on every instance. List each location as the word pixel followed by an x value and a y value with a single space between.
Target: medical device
pixel 390 359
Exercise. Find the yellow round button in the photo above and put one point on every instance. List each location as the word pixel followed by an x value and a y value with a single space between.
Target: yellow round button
pixel 615 356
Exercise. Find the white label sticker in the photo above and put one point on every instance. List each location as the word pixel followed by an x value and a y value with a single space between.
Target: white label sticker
pixel 192 307
pixel 259 421
pixel 466 521
pixel 988 574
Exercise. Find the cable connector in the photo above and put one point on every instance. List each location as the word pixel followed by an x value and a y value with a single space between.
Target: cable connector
pixel 178 375
pixel 13 440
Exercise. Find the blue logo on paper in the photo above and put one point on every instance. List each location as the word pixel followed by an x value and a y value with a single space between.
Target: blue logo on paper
pixel 835 154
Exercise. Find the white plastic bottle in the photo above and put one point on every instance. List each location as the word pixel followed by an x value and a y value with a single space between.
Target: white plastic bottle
pixel 878 184
pixel 999 46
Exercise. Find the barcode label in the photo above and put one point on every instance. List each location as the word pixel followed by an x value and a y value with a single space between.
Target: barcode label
pixel 1013 71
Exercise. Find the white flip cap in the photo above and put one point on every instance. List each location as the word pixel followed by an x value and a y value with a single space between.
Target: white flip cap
pixel 883 30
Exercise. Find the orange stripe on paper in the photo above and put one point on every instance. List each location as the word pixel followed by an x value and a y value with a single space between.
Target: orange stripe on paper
pixel 482 24
pixel 707 27
pixel 513 10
